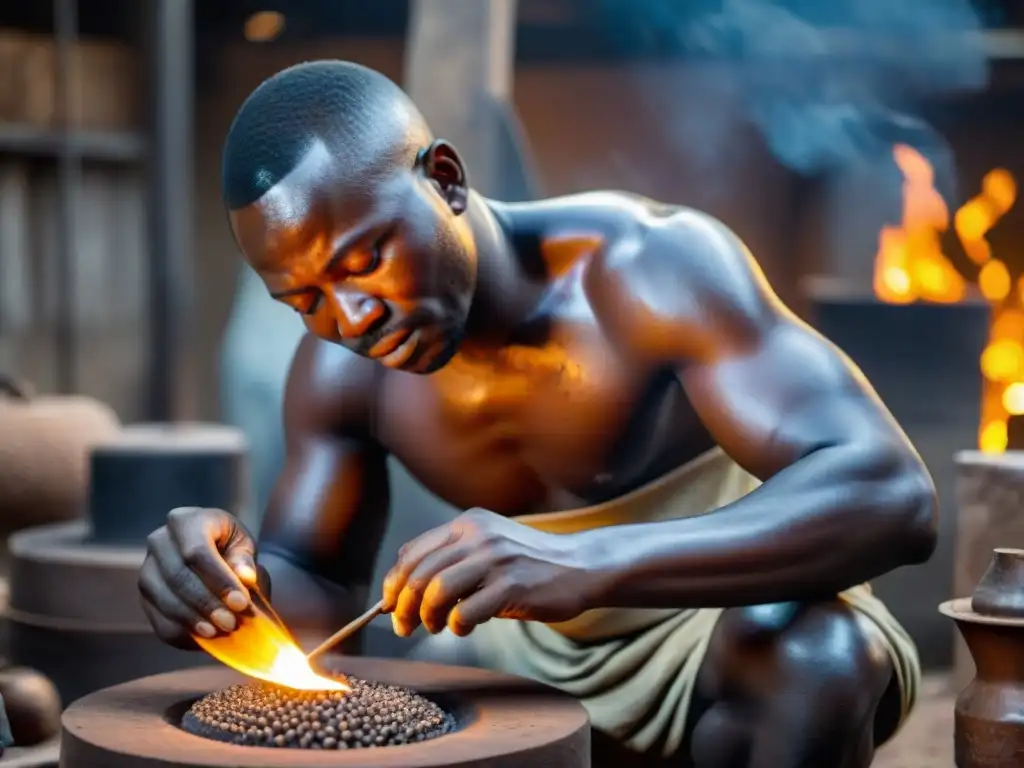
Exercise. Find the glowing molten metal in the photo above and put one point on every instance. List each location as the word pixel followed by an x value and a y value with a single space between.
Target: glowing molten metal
pixel 263 649
pixel 910 266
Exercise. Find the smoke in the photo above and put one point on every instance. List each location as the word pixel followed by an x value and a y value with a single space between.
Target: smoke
pixel 827 82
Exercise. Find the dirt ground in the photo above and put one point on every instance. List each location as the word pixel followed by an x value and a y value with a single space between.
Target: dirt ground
pixel 926 741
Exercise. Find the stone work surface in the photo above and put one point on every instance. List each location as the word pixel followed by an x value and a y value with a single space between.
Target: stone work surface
pixel 926 741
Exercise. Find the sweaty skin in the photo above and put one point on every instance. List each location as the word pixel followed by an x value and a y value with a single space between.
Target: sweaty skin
pixel 522 358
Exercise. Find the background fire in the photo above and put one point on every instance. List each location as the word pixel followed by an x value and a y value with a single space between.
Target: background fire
pixel 911 266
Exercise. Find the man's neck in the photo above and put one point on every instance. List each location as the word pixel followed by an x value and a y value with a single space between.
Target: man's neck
pixel 506 293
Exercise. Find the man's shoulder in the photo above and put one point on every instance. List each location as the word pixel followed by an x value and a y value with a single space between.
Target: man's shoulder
pixel 641 235
pixel 685 247
pixel 610 207
pixel 680 270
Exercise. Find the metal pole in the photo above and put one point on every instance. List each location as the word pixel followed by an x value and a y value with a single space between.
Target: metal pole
pixel 65 13
pixel 170 45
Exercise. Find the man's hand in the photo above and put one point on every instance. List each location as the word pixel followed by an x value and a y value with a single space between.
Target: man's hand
pixel 196 575
pixel 484 566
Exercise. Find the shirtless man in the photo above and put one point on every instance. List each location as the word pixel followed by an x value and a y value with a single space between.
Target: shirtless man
pixel 604 369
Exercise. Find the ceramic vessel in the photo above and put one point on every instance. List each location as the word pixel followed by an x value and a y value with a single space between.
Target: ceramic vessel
pixel 989 726
pixel 44 453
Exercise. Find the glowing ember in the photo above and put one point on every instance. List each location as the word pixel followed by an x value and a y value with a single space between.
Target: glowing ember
pixel 910 266
pixel 262 649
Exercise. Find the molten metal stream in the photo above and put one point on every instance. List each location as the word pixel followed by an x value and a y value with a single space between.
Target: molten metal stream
pixel 263 649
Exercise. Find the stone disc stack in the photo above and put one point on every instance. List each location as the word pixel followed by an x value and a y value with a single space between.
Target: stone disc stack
pixel 73 611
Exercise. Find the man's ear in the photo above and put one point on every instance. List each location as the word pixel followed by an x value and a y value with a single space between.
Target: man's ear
pixel 443 166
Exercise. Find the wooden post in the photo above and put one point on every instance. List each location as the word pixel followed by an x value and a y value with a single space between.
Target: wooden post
pixel 169 41
pixel 460 59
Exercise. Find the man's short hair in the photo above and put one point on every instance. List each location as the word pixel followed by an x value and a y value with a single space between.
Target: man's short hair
pixel 359 114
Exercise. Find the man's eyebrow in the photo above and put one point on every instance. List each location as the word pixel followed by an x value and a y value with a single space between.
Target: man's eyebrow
pixel 309 289
pixel 292 292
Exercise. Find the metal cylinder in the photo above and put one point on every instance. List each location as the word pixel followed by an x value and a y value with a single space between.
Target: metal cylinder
pixel 149 469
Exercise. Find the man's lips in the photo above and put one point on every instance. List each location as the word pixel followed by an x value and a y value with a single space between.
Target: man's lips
pixel 403 353
pixel 389 343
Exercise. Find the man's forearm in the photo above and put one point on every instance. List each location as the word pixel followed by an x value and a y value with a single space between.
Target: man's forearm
pixel 838 517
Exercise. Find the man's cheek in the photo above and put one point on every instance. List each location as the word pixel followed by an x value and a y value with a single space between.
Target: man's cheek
pixel 322 325
pixel 404 278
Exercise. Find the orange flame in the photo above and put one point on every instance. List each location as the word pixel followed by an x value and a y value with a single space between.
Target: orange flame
pixel 261 648
pixel 910 266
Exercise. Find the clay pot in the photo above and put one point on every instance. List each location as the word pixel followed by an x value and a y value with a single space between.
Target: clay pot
pixel 33 705
pixel 1001 590
pixel 44 454
pixel 989 732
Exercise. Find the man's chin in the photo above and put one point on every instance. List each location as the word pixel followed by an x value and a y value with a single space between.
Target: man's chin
pixel 436 356
pixel 429 355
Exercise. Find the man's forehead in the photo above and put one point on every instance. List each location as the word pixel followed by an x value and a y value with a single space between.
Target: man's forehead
pixel 314 201
pixel 318 185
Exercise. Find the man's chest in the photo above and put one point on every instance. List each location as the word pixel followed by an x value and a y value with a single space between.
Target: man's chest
pixel 510 429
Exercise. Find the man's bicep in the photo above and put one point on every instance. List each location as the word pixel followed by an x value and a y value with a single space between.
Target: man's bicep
pixel 787 394
pixel 321 531
pixel 329 507
pixel 768 387
pixel 328 511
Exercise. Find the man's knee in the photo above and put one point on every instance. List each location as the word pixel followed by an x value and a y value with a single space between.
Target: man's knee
pixel 802 679
pixel 755 624
pixel 819 651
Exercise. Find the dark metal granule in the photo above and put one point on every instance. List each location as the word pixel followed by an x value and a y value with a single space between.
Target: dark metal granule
pixel 370 715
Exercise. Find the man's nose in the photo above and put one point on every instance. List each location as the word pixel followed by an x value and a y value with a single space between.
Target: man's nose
pixel 356 312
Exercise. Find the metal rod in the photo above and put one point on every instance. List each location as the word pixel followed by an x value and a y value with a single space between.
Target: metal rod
pixel 65 14
pixel 347 631
pixel 170 42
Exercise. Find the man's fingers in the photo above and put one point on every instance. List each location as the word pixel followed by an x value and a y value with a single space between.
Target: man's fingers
pixel 158 595
pixel 190 589
pixel 450 586
pixel 407 612
pixel 240 554
pixel 409 558
pixel 478 608
pixel 168 631
pixel 199 537
pixel 243 563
